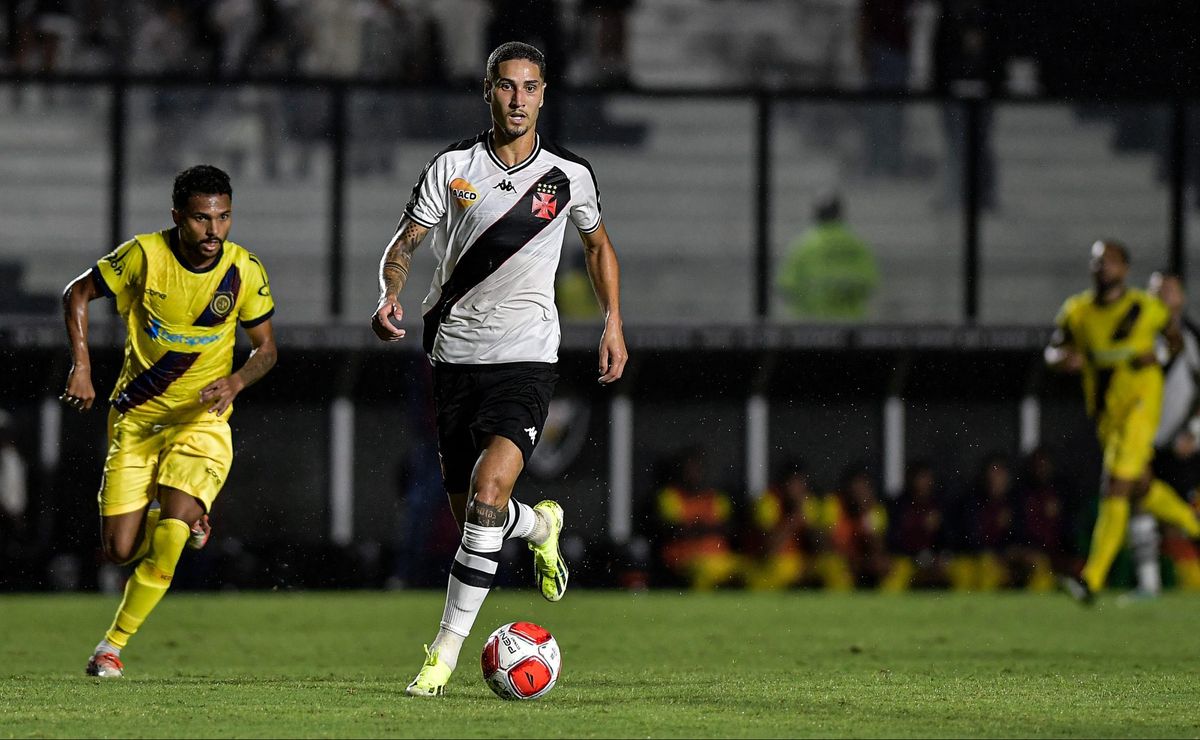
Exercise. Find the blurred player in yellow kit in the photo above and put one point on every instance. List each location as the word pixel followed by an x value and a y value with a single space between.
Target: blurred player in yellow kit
pixel 181 292
pixel 1110 334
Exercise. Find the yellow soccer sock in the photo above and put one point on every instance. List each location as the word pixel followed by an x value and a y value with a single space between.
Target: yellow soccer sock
pixel 150 580
pixel 1167 506
pixel 1107 538
pixel 152 515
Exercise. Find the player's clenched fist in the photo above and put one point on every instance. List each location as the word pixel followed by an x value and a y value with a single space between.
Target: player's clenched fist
pixel 386 321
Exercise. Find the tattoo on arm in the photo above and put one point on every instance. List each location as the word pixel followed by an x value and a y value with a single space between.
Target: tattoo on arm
pixel 258 364
pixel 397 267
pixel 486 515
pixel 397 259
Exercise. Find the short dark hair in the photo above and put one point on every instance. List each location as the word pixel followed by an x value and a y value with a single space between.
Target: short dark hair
pixel 828 208
pixel 1120 247
pixel 202 179
pixel 511 50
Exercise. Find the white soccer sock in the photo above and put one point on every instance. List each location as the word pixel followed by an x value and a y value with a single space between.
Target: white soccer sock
pixel 104 646
pixel 1144 539
pixel 447 644
pixel 525 523
pixel 471 577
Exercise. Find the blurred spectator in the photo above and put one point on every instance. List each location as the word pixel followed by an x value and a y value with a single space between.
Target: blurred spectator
pixel 237 24
pixel 1042 532
pixel 988 527
pixel 829 272
pixel 858 529
pixel 164 42
pixel 918 531
pixel 46 29
pixel 884 45
pixel 602 39
pixel 967 64
pixel 787 532
pixel 333 45
pixel 695 520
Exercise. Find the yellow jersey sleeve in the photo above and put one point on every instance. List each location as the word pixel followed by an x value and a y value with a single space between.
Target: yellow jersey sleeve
pixel 1065 322
pixel 121 270
pixel 258 305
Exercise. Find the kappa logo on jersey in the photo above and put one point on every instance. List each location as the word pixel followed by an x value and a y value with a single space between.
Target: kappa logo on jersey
pixel 505 186
pixel 545 204
pixel 463 192
pixel 532 432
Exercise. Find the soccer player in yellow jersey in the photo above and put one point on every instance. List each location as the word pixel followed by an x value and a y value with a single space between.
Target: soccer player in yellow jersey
pixel 180 291
pixel 1110 335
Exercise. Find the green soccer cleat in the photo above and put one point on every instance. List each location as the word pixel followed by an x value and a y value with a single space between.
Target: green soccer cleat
pixel 550 567
pixel 432 679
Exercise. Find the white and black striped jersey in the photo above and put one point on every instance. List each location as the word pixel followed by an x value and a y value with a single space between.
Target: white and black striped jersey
pixel 497 232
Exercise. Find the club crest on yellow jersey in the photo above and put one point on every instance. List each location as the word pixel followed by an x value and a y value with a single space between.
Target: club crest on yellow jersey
pixel 221 304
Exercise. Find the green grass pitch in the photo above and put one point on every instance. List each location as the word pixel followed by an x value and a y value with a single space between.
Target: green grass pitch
pixel 634 665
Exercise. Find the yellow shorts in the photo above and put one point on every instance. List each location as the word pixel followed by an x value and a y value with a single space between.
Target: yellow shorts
pixel 142 456
pixel 1128 440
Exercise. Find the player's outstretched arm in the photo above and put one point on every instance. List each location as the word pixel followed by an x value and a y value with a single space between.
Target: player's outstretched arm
pixel 79 393
pixel 393 274
pixel 605 275
pixel 220 393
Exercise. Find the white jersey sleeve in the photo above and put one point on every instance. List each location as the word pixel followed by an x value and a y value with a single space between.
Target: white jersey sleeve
pixel 585 210
pixel 427 206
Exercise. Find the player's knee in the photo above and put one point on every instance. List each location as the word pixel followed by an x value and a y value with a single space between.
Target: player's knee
pixel 119 551
pixel 491 490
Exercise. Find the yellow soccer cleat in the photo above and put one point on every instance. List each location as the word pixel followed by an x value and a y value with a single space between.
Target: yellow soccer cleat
pixel 432 679
pixel 550 567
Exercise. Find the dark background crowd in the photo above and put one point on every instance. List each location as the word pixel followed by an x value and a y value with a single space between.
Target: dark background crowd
pixel 1077 47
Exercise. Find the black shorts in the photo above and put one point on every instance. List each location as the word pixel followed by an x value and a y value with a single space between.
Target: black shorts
pixel 474 402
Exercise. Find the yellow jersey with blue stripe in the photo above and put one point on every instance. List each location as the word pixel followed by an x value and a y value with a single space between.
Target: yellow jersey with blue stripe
pixel 1115 339
pixel 181 322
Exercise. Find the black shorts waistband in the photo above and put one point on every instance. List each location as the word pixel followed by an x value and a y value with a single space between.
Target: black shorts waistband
pixel 455 367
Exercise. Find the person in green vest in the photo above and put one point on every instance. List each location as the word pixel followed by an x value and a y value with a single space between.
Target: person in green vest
pixel 829 272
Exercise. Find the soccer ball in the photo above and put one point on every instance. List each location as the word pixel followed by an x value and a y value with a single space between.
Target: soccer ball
pixel 521 661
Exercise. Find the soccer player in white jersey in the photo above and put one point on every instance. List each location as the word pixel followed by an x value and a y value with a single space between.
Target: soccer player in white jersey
pixel 497 205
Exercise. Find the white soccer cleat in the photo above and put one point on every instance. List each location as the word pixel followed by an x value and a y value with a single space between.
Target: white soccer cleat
pixel 105 665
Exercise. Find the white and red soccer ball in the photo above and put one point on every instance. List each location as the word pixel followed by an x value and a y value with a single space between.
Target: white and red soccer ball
pixel 521 661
